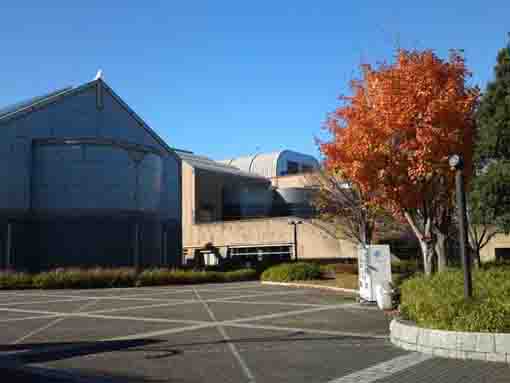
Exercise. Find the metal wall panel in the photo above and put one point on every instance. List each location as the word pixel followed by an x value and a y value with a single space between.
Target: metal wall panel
pixel 90 177
pixel 84 180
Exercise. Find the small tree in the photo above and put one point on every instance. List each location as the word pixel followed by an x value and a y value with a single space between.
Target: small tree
pixel 393 136
pixel 342 203
pixel 481 219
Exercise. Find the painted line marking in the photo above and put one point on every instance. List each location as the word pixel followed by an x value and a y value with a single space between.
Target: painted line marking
pixel 287 313
pixel 189 301
pixel 270 303
pixel 173 301
pixel 385 369
pixel 29 318
pixel 44 302
pixel 98 314
pixel 227 338
pixel 52 323
pixel 152 334
pixel 156 290
pixel 309 331
pixel 140 319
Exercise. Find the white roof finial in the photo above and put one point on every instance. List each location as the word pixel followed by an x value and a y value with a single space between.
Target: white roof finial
pixel 99 75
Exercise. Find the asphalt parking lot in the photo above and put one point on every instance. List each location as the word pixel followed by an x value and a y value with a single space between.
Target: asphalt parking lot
pixel 242 332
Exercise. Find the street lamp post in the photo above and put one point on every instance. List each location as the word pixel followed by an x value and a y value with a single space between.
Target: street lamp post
pixel 457 164
pixel 295 224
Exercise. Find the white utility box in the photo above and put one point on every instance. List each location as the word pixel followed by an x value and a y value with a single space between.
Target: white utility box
pixel 374 269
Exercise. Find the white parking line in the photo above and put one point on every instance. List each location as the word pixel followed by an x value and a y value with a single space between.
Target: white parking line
pixel 385 369
pixel 44 302
pixel 52 323
pixel 61 315
pixel 192 301
pixel 307 330
pixel 287 313
pixel 141 319
pixel 29 318
pixel 153 334
pixel 269 303
pixel 41 312
pixel 227 338
pixel 145 293
pixel 99 314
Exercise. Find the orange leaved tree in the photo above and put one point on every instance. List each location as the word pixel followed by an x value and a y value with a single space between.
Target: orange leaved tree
pixel 393 136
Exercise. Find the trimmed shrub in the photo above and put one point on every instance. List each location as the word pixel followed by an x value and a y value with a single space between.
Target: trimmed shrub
pixel 118 277
pixel 301 271
pixel 438 301
pixel 85 278
pixel 14 280
pixel 159 277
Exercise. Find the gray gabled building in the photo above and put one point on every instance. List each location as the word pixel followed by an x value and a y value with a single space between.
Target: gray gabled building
pixel 85 182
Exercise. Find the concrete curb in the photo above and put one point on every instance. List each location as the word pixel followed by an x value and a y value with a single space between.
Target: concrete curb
pixel 491 347
pixel 308 285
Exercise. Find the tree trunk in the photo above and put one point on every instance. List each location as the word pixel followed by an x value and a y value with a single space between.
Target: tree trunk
pixel 427 250
pixel 441 252
pixel 426 241
pixel 477 259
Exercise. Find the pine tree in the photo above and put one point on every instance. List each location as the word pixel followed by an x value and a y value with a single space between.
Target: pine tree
pixel 490 195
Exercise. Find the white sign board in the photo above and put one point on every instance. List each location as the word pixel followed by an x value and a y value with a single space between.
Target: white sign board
pixel 374 268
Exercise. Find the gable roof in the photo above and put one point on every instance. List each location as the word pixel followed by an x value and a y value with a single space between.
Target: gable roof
pixel 27 104
pixel 35 103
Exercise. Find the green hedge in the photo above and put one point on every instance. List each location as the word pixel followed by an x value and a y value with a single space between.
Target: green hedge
pixel 13 280
pixel 116 277
pixel 157 277
pixel 85 278
pixel 286 272
pixel 438 301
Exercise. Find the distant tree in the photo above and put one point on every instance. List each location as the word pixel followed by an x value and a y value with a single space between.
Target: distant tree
pixel 481 217
pixel 490 197
pixel 393 136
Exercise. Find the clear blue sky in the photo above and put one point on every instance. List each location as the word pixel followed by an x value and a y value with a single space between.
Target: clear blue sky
pixel 226 78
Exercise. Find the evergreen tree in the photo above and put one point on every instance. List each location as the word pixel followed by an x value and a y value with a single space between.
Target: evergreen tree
pixel 490 194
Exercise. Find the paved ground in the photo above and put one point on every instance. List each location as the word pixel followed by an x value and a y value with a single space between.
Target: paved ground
pixel 243 332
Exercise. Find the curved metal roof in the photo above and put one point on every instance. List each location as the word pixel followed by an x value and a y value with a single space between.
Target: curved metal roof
pixel 260 163
pixel 266 164
pixel 205 163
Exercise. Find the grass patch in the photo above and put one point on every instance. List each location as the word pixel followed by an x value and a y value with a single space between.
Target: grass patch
pixel 117 277
pixel 438 301
pixel 286 272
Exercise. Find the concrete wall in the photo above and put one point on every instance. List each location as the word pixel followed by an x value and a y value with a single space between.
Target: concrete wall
pixel 488 252
pixel 314 240
pixel 291 181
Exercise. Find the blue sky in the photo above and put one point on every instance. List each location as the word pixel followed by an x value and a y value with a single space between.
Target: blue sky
pixel 227 78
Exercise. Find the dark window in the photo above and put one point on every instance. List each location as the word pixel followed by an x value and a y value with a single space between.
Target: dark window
pixel 503 254
pixel 307 169
pixel 292 167
pixel 252 255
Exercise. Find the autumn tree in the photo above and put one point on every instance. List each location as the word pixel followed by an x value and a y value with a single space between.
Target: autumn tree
pixel 393 136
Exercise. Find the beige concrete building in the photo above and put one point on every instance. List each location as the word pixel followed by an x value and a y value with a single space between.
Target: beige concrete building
pixel 498 248
pixel 242 208
pixel 245 211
